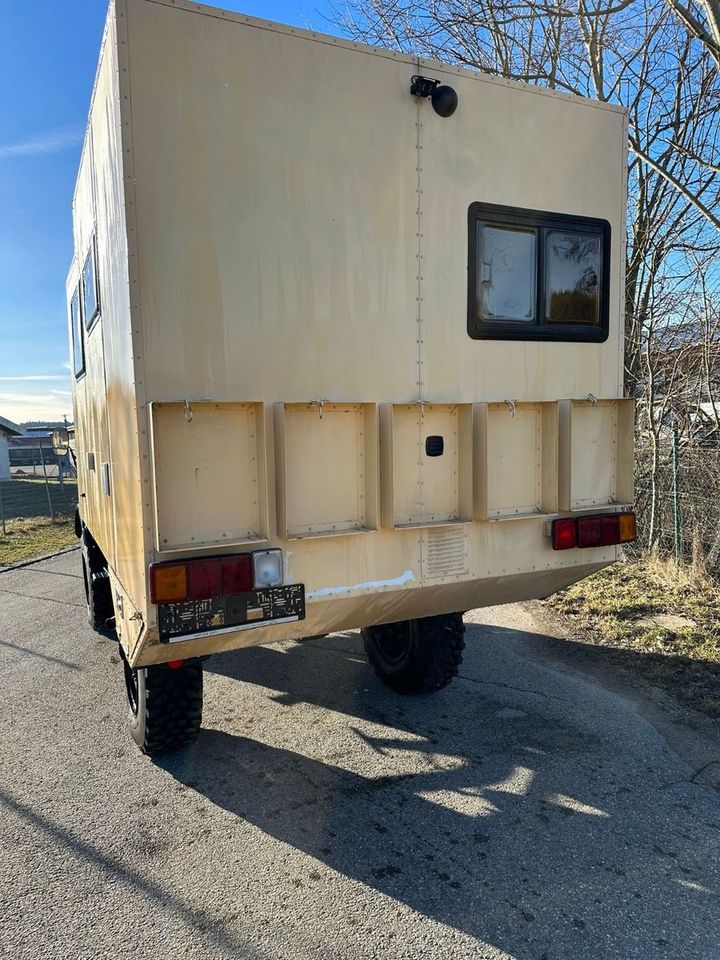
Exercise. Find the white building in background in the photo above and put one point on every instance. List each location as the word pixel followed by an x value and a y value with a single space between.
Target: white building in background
pixel 7 429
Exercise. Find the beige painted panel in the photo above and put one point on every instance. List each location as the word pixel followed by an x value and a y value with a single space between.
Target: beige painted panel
pixel 210 476
pixel 516 470
pixel 275 188
pixel 327 468
pixel 518 147
pixel 594 454
pixel 514 459
pixel 439 493
pixel 129 473
pixel 418 489
pixel 596 437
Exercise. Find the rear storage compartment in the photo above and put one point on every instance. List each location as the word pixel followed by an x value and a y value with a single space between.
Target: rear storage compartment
pixel 209 474
pixel 326 464
pixel 426 464
pixel 597 465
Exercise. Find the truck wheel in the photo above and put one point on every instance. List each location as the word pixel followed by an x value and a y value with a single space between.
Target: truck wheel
pixel 98 595
pixel 165 704
pixel 416 656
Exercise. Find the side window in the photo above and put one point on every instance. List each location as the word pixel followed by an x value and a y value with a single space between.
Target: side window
pixel 90 294
pixel 537 276
pixel 77 333
pixel 508 282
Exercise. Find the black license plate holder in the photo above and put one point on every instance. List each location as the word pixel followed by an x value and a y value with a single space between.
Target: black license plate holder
pixel 253 608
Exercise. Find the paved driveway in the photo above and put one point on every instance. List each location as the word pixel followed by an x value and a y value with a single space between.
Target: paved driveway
pixel 528 811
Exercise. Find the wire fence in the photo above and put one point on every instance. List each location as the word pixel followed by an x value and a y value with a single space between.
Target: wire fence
pixel 32 497
pixel 677 495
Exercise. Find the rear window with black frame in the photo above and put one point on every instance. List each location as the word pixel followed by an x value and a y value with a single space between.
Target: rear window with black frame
pixel 534 275
pixel 90 293
pixel 78 344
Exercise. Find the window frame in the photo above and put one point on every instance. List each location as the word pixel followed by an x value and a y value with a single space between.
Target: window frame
pixel 79 330
pixel 539 328
pixel 92 252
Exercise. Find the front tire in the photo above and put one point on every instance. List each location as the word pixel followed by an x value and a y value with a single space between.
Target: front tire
pixel 416 656
pixel 165 705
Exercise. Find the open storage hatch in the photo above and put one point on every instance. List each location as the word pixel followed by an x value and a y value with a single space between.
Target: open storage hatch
pixel 426 453
pixel 596 453
pixel 326 468
pixel 516 460
pixel 199 503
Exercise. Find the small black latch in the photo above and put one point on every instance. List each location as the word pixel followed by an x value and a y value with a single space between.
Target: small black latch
pixel 434 446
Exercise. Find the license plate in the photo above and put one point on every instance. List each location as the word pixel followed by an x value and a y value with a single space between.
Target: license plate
pixel 242 610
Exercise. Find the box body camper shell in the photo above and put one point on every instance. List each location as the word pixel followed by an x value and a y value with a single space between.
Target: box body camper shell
pixel 310 314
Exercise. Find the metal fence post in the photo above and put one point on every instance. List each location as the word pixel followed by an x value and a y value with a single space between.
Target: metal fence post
pixel 2 512
pixel 47 485
pixel 677 531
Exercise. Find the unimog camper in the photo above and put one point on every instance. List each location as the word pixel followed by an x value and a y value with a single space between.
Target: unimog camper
pixel 347 340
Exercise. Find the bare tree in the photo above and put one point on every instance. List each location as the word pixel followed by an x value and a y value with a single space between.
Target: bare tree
pixel 702 21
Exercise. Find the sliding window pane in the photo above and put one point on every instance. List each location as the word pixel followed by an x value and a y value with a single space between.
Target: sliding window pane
pixel 507 276
pixel 77 334
pixel 572 278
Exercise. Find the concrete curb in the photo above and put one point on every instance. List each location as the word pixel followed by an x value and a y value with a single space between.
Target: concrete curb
pixel 29 563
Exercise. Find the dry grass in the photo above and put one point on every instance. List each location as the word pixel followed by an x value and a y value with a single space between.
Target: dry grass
pixel 31 538
pixel 669 616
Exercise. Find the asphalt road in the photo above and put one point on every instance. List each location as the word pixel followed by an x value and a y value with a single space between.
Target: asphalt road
pixel 531 810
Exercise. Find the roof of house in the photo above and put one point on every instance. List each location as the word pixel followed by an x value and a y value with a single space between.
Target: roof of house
pixel 7 426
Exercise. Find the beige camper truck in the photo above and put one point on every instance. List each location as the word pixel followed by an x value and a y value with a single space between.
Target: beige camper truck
pixel 347 344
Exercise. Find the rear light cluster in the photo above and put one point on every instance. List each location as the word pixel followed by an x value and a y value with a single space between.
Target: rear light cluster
pixel 597 531
pixel 215 576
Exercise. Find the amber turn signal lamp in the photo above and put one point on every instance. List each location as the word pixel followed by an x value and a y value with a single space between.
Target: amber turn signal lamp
pixel 168 582
pixel 628 527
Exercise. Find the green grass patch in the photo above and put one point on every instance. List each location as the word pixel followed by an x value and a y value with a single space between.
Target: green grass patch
pixel 660 620
pixel 27 539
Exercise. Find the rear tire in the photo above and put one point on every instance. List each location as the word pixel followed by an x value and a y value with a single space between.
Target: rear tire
pixel 165 705
pixel 416 656
pixel 98 595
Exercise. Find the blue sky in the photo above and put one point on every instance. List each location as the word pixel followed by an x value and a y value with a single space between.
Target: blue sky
pixel 48 52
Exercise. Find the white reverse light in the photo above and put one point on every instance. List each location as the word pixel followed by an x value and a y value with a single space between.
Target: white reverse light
pixel 267 568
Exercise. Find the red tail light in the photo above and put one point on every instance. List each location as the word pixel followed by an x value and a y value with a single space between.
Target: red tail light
pixel 598 531
pixel 204 579
pixel 564 534
pixel 604 530
pixel 237 574
pixel 201 579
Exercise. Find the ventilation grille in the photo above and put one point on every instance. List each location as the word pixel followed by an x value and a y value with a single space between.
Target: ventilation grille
pixel 445 553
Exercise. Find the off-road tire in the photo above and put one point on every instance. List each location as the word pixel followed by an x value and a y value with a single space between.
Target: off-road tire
pixel 416 656
pixel 165 705
pixel 98 595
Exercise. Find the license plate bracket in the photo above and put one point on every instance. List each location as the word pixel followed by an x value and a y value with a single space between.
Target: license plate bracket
pixel 253 608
